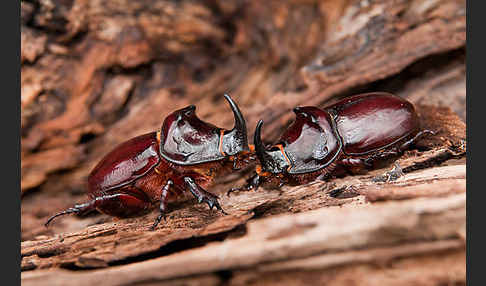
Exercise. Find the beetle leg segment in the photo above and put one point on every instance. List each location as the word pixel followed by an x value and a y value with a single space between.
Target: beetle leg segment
pixel 163 203
pixel 202 195
pixel 391 175
pixel 356 165
pixel 368 162
pixel 405 145
pixel 251 183
pixel 91 205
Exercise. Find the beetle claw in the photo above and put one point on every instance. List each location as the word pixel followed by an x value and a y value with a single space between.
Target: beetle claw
pixel 216 204
pixel 213 203
pixel 158 220
pixel 252 183
pixel 231 191
pixel 391 175
pixel 202 195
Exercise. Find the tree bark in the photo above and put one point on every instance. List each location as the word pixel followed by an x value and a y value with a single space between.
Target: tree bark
pixel 96 73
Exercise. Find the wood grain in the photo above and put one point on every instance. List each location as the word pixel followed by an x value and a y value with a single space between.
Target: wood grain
pixel 96 73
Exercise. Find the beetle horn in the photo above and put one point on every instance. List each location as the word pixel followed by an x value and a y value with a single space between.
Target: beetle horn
pixel 240 124
pixel 236 139
pixel 271 161
pixel 261 152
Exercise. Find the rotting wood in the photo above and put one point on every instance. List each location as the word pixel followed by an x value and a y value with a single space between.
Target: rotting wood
pixel 90 70
pixel 180 70
pixel 306 233
pixel 446 267
pixel 104 244
pixel 111 242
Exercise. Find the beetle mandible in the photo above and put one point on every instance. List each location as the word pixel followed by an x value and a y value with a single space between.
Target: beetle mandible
pixel 185 154
pixel 352 134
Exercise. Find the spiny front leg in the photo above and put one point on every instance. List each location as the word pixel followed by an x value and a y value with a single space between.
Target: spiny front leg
pixel 163 203
pixel 202 195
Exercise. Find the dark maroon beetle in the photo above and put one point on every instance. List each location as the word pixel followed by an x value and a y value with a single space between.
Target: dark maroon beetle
pixel 186 154
pixel 351 134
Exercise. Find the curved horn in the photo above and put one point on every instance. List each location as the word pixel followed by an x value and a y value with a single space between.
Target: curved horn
pixel 236 139
pixel 271 161
pixel 261 152
pixel 240 124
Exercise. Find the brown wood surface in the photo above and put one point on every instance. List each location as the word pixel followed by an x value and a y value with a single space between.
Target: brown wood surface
pixel 95 73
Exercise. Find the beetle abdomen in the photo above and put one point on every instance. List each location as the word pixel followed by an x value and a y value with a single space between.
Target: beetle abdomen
pixel 127 162
pixel 373 121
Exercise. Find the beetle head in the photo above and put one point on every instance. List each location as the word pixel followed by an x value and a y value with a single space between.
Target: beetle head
pixel 309 144
pixel 186 139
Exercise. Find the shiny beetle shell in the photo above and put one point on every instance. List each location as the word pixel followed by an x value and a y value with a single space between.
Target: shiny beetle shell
pixel 352 133
pixel 186 154
pixel 373 121
pixel 187 140
pixel 124 164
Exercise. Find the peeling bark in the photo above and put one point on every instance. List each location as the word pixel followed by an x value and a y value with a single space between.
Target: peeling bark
pixel 95 73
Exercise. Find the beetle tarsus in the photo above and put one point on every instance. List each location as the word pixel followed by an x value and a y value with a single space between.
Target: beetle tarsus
pixel 163 204
pixel 395 173
pixel 232 190
pixel 246 188
pixel 405 145
pixel 391 175
pixel 252 183
pixel 157 221
pixel 202 195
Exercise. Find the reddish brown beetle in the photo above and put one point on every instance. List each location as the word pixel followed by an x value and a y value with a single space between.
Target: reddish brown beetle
pixel 351 134
pixel 185 154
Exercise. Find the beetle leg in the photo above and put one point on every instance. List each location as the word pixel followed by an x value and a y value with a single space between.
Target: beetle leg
pixel 391 175
pixel 252 183
pixel 91 205
pixel 235 165
pixel 405 145
pixel 356 166
pixel 202 195
pixel 163 203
